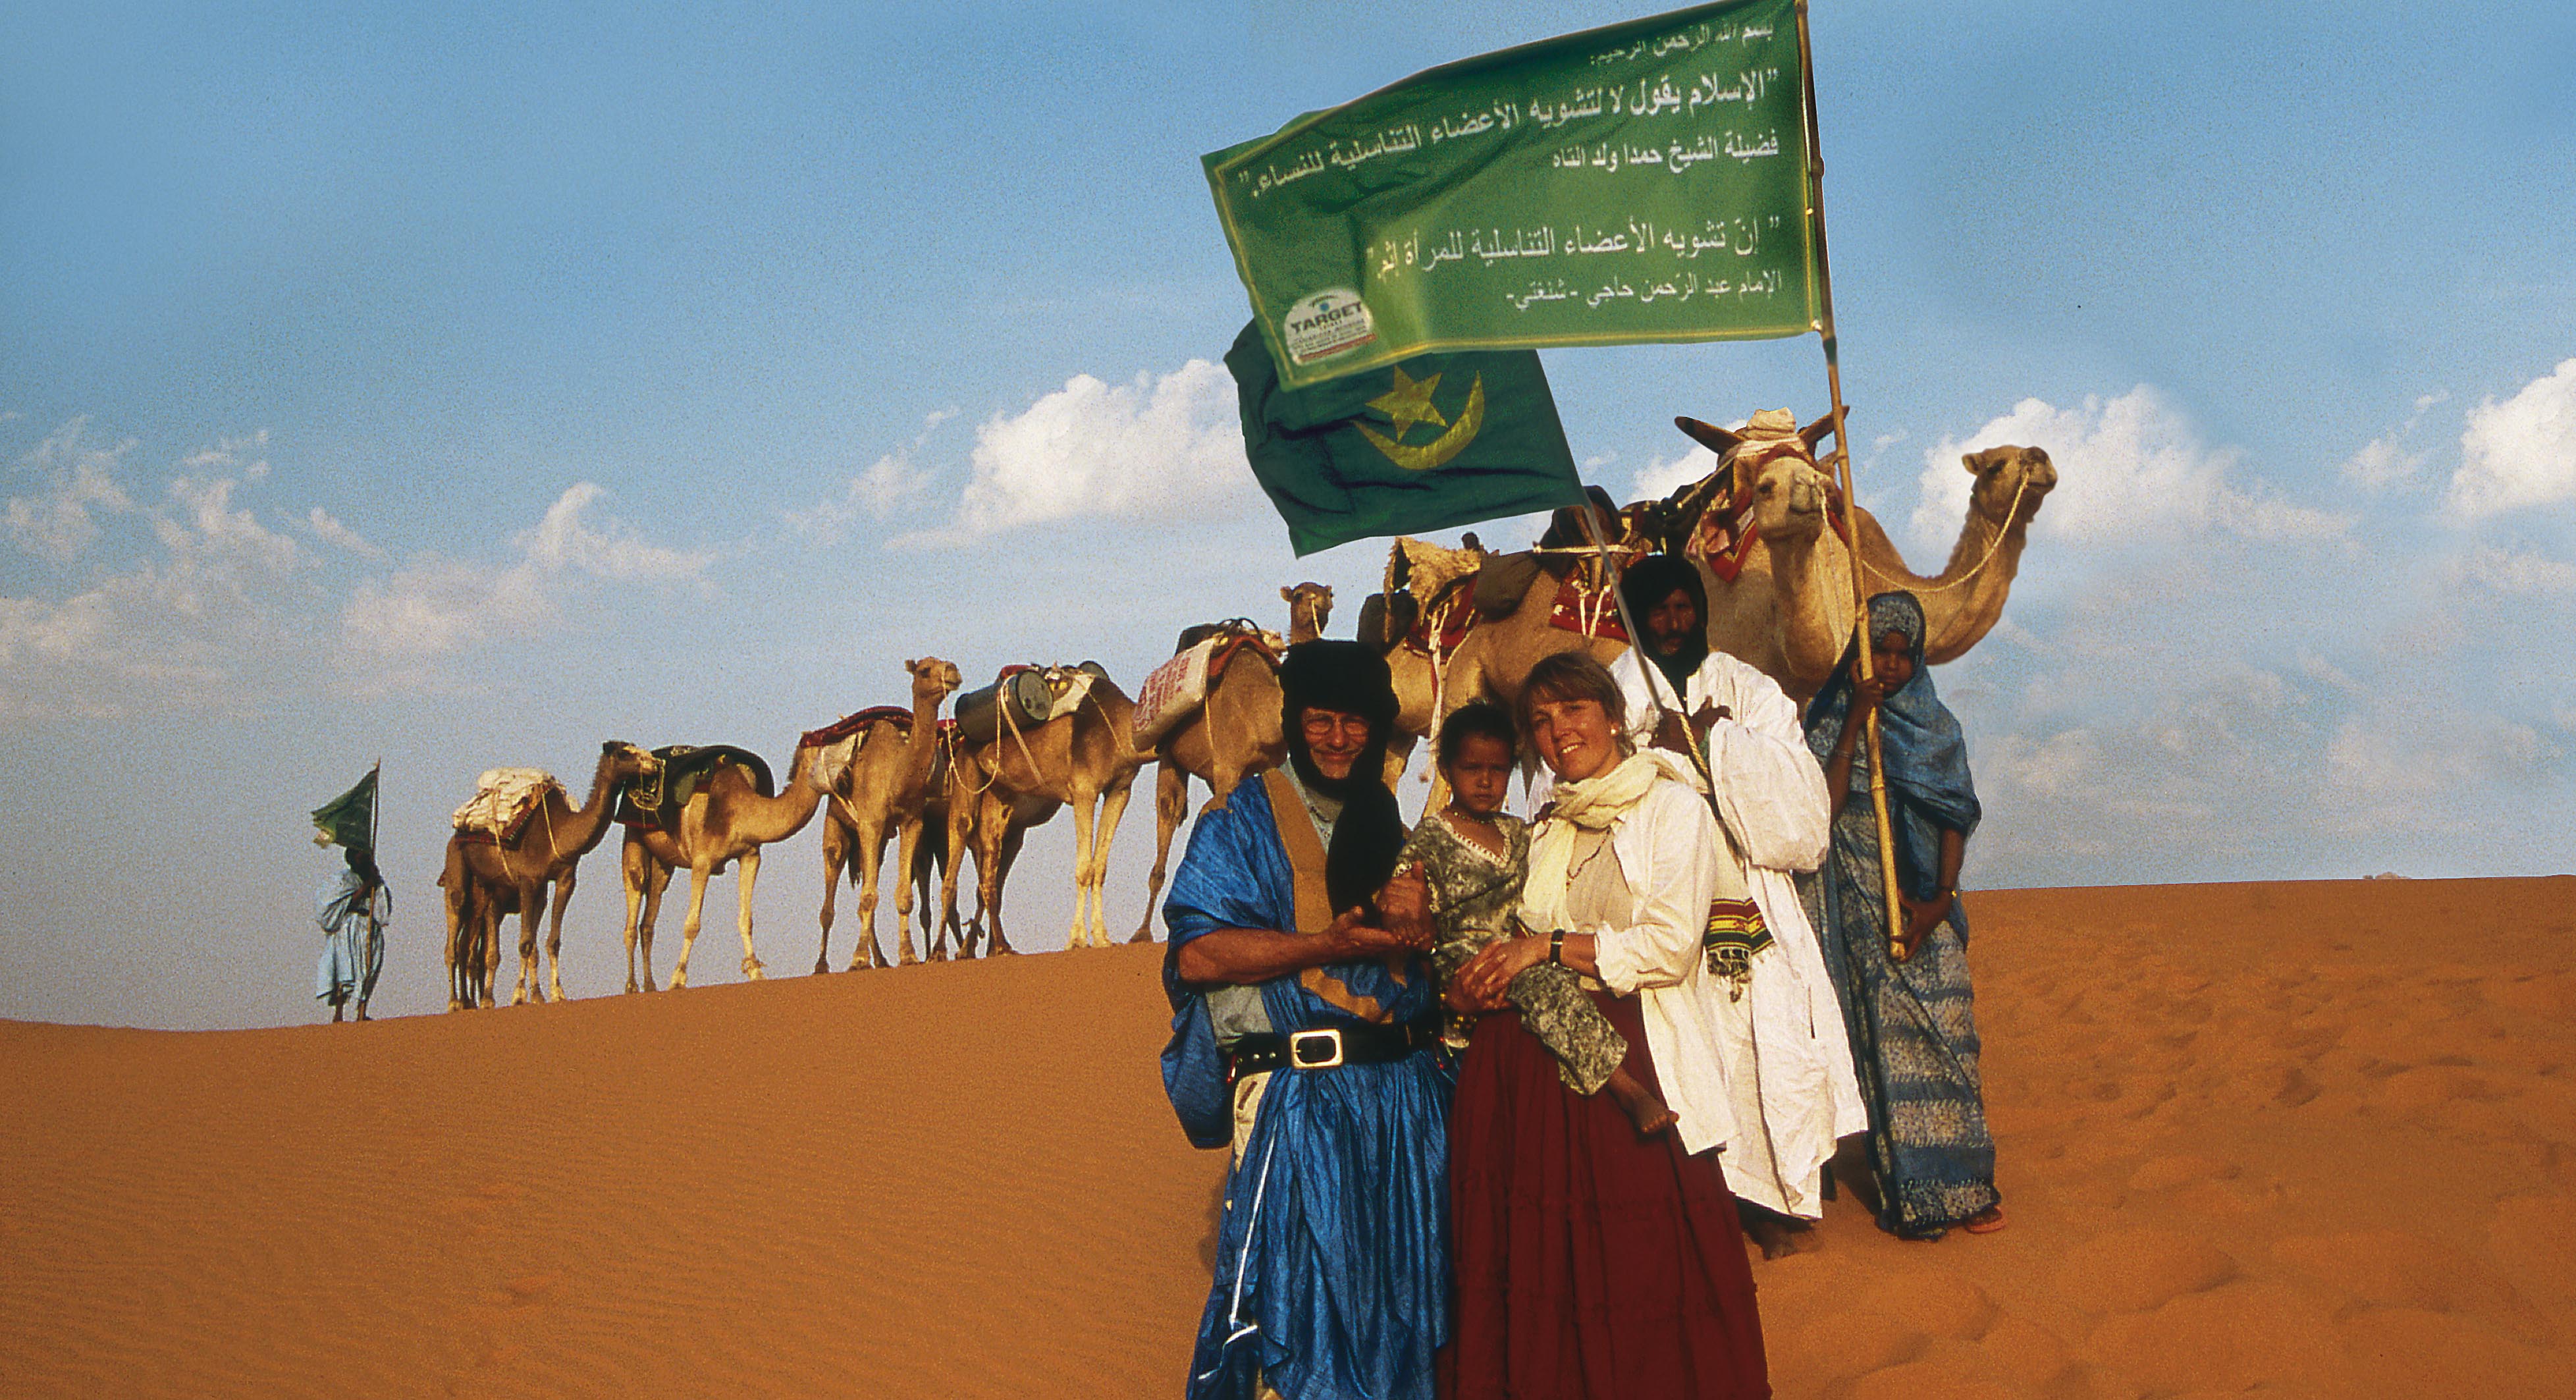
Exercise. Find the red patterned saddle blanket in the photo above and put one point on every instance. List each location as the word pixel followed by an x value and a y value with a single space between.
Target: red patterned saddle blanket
pixel 848 725
pixel 1583 611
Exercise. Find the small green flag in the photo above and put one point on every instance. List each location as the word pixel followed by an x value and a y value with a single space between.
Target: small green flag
pixel 350 818
pixel 1436 441
pixel 1642 183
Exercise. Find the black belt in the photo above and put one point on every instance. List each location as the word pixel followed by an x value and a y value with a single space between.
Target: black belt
pixel 1329 1048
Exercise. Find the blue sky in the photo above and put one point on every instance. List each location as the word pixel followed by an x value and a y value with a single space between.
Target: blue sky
pixel 469 387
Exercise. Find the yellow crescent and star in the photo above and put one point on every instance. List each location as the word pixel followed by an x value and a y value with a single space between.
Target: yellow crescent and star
pixel 1408 405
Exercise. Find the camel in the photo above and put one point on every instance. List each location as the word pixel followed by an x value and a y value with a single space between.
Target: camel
pixel 548 849
pixel 1788 611
pixel 885 791
pixel 1235 731
pixel 726 821
pixel 1086 760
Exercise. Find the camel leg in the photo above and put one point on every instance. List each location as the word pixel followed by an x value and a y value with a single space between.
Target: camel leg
pixel 689 926
pixel 907 850
pixel 931 859
pixel 456 915
pixel 1085 814
pixel 554 935
pixel 871 857
pixel 532 921
pixel 745 875
pixel 632 876
pixel 988 885
pixel 1171 808
pixel 1113 807
pixel 657 880
pixel 835 859
pixel 960 838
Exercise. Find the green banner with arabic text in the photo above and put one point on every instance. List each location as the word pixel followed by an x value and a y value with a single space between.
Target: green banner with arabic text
pixel 1643 182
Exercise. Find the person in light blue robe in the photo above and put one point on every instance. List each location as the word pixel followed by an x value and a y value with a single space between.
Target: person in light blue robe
pixel 1332 1254
pixel 352 907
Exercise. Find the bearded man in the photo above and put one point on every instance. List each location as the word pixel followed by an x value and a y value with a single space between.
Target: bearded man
pixel 1789 1067
pixel 1304 1036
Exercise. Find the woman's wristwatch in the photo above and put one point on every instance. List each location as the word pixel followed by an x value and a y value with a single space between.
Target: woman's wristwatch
pixel 1556 947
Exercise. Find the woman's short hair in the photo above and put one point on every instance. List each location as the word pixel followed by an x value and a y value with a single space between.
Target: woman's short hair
pixel 1481 719
pixel 1574 675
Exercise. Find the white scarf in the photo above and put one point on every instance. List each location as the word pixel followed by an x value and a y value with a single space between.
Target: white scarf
pixel 1590 804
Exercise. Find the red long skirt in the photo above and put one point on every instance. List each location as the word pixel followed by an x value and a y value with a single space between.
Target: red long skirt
pixel 1591 1263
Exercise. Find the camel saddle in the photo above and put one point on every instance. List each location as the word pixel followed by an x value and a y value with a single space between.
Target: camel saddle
pixel 503 802
pixel 1033 695
pixel 848 725
pixel 1178 687
pixel 653 803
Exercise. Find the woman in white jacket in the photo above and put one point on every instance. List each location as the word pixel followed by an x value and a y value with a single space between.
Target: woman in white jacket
pixel 1591 1260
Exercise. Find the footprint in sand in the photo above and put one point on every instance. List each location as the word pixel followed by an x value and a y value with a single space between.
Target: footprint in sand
pixel 2132 1271
pixel 2395 1269
pixel 2166 1173
pixel 2549 994
pixel 2232 1338
pixel 2534 1238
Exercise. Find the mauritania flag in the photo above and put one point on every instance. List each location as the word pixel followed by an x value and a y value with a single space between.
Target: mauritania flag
pixel 1436 441
pixel 1643 182
pixel 350 818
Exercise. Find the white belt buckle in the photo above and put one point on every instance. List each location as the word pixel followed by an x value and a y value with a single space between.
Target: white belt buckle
pixel 1297 1040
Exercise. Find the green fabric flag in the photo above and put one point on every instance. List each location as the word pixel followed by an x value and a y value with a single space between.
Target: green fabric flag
pixel 350 818
pixel 1436 441
pixel 1643 182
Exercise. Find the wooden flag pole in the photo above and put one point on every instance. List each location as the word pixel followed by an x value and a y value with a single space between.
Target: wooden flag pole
pixel 1861 640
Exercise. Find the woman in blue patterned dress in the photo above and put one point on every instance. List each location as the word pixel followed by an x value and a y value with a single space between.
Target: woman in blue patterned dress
pixel 1911 1014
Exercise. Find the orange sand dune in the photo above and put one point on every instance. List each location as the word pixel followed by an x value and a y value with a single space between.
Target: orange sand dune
pixel 2314 1138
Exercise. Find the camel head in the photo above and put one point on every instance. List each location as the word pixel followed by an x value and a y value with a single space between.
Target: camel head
pixel 2004 473
pixel 933 680
pixel 1308 603
pixel 1767 470
pixel 626 761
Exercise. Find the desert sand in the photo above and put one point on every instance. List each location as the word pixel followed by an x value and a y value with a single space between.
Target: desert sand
pixel 2314 1138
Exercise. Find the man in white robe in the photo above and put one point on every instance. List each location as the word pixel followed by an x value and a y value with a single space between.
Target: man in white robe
pixel 1781 1040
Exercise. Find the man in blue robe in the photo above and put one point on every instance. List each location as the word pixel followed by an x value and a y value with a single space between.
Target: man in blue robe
pixel 1306 1038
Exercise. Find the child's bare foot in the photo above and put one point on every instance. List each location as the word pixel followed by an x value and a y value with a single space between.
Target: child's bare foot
pixel 1984 1222
pixel 1643 1106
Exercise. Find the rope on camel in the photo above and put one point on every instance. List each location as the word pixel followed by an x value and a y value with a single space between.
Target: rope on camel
pixel 1992 549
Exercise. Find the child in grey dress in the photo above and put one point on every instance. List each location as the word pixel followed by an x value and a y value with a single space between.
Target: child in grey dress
pixel 1472 857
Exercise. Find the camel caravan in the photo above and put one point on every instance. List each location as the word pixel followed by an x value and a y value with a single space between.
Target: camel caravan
pixel 1770 535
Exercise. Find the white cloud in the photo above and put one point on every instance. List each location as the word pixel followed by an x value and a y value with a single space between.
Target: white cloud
pixel 2520 453
pixel 438 607
pixel 1659 478
pixel 57 525
pixel 2380 464
pixel 2514 572
pixel 1149 448
pixel 563 539
pixel 2130 467
pixel 195 627
pixel 328 528
pixel 875 494
pixel 2385 771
